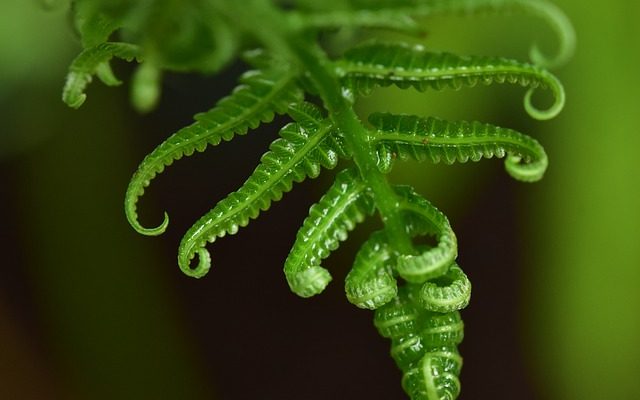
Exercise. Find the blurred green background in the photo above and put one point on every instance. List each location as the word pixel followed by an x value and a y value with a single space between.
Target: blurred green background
pixel 91 310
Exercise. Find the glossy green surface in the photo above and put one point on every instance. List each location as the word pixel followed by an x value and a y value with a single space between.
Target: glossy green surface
pixel 417 289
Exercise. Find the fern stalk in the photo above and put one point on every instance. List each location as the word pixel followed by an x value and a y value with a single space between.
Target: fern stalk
pixel 337 101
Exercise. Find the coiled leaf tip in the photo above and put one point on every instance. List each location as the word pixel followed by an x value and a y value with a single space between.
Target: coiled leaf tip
pixel 345 204
pixel 370 283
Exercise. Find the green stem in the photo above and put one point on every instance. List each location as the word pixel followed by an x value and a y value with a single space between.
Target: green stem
pixel 357 138
pixel 274 32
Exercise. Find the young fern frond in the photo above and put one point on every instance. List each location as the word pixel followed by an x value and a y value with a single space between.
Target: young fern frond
pixel 450 292
pixel 345 204
pixel 435 375
pixel 369 66
pixel 370 283
pixel 260 96
pixel 424 219
pixel 423 345
pixel 415 288
pixel 407 137
pixel 301 151
pixel 95 61
pixel 399 318
pixel 441 329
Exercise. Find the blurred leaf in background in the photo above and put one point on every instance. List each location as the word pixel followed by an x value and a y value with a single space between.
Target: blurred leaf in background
pixel 583 289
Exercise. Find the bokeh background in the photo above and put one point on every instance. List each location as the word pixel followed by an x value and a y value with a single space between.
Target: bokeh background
pixel 91 310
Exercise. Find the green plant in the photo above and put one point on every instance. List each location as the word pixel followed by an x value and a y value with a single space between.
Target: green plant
pixel 294 75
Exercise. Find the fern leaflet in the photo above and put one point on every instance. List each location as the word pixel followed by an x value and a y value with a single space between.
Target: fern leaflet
pixel 417 138
pixel 303 149
pixel 344 205
pixel 370 283
pixel 450 292
pixel 259 97
pixel 369 66
pixel 424 219
pixel 94 61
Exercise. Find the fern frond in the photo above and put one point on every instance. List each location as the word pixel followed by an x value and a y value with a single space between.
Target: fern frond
pixel 435 376
pixel 441 329
pixel 546 10
pixel 400 317
pixel 450 292
pixel 437 332
pixel 416 333
pixel 407 137
pixel 423 345
pixel 563 28
pixel 423 218
pixel 94 61
pixel 259 97
pixel 303 149
pixel 370 283
pixel 407 341
pixel 345 204
pixel 366 67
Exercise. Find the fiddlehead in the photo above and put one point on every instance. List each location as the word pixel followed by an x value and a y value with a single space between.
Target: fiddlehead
pixel 450 292
pixel 370 283
pixel 423 345
pixel 416 289
pixel 424 219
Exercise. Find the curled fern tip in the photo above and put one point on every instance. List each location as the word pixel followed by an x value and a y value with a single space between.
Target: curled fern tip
pixel 201 269
pixel 550 112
